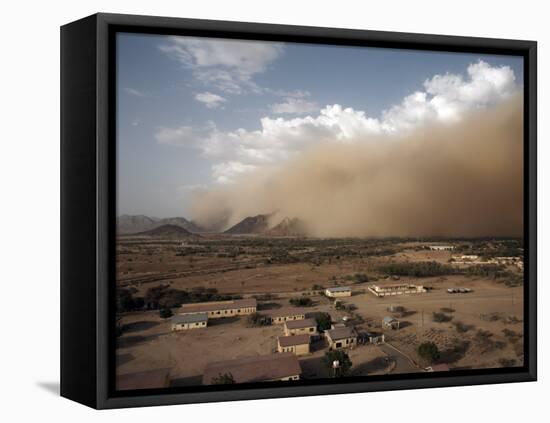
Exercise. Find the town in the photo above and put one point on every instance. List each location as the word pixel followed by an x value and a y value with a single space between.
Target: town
pixel 221 310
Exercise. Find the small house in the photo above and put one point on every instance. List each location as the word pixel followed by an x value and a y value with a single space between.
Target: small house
pixel 338 291
pixel 284 314
pixel 219 309
pixel 301 327
pixel 390 322
pixel 189 321
pixel 298 345
pixel 341 338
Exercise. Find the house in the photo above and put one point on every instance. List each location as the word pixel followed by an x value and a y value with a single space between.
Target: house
pixel 149 379
pixel 189 321
pixel 301 327
pixel 338 291
pixel 341 338
pixel 438 368
pixel 218 309
pixel 390 322
pixel 371 338
pixel 263 368
pixel 298 344
pixel 441 247
pixel 400 289
pixel 284 314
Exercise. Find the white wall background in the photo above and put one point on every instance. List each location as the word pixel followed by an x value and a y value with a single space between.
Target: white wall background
pixel 29 169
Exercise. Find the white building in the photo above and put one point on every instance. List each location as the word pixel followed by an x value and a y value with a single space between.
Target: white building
pixel 338 291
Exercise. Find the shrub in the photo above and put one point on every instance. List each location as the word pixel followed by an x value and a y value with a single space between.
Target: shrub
pixel 223 379
pixel 462 327
pixel 301 302
pixel 428 351
pixel 323 320
pixel 256 319
pixel 165 313
pixel 441 317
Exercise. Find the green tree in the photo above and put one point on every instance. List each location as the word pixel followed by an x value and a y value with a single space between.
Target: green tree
pixel 323 320
pixel 343 361
pixel 428 351
pixel 223 379
pixel 165 313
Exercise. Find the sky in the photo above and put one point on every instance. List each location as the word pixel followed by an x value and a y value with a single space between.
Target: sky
pixel 195 114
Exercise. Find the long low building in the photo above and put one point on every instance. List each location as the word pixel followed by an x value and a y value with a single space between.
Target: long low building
pixel 400 289
pixel 338 291
pixel 263 368
pixel 298 344
pixel 189 321
pixel 301 327
pixel 218 309
pixel 341 337
pixel 284 314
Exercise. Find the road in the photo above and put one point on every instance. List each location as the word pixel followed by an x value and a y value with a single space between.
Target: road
pixel 402 362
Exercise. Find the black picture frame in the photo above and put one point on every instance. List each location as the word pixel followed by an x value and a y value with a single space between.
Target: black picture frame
pixel 88 106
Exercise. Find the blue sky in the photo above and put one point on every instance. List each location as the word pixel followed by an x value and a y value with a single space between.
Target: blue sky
pixel 190 110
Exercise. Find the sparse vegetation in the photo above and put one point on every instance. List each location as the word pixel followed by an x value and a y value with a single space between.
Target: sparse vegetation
pixel 165 313
pixel 256 319
pixel 462 327
pixel 301 302
pixel 223 379
pixel 417 269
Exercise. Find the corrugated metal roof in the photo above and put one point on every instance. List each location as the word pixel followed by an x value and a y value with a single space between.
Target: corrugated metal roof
pixel 190 318
pixel 339 289
pixel 217 305
pixel 341 333
pixel 299 324
pixel 288 341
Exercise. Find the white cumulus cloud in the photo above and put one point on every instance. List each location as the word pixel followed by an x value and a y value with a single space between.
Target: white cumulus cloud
pixel 210 100
pixel 443 99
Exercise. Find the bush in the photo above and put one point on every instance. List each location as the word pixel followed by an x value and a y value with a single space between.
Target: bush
pixel 429 352
pixel 301 302
pixel 223 379
pixel 418 269
pixel 441 317
pixel 323 321
pixel 343 359
pixel 462 327
pixel 256 319
pixel 165 313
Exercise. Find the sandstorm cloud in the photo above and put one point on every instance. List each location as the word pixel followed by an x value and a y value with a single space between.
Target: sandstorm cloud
pixel 460 179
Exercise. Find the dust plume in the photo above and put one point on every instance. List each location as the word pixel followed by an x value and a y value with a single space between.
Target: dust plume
pixel 459 180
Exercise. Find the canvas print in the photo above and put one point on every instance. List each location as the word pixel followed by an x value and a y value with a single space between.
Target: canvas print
pixel 292 211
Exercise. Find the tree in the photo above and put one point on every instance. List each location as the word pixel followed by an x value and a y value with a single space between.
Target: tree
pixel 323 321
pixel 428 351
pixel 165 313
pixel 301 302
pixel 223 379
pixel 343 361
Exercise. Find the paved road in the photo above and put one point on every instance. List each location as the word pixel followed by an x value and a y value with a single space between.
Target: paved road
pixel 402 362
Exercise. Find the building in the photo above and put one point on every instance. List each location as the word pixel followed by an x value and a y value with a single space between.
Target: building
pixel 371 338
pixel 338 291
pixel 438 368
pixel 400 289
pixel 301 327
pixel 150 379
pixel 441 247
pixel 390 322
pixel 284 314
pixel 189 321
pixel 263 368
pixel 341 337
pixel 218 309
pixel 298 345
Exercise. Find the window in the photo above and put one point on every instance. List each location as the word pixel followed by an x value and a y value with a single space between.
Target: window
pixel 311 329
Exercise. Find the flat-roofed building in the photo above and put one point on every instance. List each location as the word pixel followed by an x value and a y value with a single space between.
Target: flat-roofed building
pixel 149 379
pixel 219 309
pixel 298 344
pixel 341 337
pixel 441 247
pixel 189 321
pixel 284 314
pixel 338 291
pixel 301 327
pixel 262 368
pixel 399 289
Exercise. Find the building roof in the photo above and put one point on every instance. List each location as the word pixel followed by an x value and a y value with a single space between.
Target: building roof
pixel 341 333
pixel 339 289
pixel 149 379
pixel 254 369
pixel 217 305
pixel 288 341
pixel 389 319
pixel 190 318
pixel 284 311
pixel 299 324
